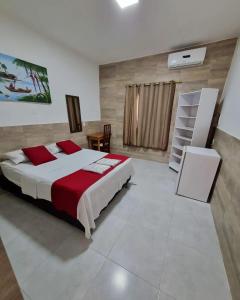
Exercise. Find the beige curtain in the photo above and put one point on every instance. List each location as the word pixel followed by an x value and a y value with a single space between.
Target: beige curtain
pixel 131 116
pixel 150 106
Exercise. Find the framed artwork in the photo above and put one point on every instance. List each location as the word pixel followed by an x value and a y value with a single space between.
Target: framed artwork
pixel 23 81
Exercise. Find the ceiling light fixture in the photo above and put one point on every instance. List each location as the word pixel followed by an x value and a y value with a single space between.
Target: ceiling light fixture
pixel 126 3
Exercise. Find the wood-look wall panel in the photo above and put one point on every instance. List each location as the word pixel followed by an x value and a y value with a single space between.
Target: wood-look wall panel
pixel 226 207
pixel 16 137
pixel 114 78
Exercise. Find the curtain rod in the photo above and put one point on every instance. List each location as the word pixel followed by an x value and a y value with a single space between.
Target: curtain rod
pixel 156 83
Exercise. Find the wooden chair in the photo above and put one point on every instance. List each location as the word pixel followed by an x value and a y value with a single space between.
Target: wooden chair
pixel 105 143
pixel 107 138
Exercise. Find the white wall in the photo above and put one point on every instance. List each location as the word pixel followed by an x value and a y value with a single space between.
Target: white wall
pixel 68 73
pixel 230 116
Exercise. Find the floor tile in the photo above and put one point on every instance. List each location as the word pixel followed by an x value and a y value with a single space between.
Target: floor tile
pixel 154 171
pixel 14 215
pixel 2 191
pixel 70 269
pixel 154 212
pixel 49 231
pixel 9 204
pixel 123 204
pixel 25 296
pixel 8 231
pixel 193 225
pixel 25 256
pixel 141 251
pixel 191 275
pixel 41 227
pixel 115 283
pixel 108 229
pixel 163 296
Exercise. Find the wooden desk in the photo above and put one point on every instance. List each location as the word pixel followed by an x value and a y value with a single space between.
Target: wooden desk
pixel 95 137
pixel 9 288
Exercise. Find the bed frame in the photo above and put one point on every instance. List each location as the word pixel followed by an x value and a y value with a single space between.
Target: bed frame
pixel 45 205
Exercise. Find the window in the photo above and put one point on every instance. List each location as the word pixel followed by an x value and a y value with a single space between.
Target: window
pixel 74 113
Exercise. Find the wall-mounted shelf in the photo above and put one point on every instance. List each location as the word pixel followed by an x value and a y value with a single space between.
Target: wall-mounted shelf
pixel 193 121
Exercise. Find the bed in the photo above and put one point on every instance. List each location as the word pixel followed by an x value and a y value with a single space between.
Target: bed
pixel 56 179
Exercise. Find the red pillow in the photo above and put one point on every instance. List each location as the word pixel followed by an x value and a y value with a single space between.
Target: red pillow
pixel 38 155
pixel 68 147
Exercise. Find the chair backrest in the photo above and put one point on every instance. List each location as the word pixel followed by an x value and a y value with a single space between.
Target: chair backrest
pixel 107 130
pixel 107 134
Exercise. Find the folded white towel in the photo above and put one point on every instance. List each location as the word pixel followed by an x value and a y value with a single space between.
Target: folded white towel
pixel 108 162
pixel 96 168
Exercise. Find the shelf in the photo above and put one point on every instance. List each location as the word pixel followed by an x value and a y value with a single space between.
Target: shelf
pixel 191 93
pixel 174 165
pixel 186 117
pixel 177 156
pixel 188 105
pixel 185 128
pixel 179 147
pixel 183 138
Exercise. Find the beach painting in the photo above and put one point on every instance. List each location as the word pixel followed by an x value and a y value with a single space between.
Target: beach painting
pixel 23 81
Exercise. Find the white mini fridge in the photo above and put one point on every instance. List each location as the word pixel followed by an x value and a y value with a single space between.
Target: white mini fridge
pixel 197 173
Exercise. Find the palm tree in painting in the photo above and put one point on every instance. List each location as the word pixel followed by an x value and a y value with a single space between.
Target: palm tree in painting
pixel 3 67
pixel 28 69
pixel 42 77
pixel 0 82
pixel 38 76
pixel 44 82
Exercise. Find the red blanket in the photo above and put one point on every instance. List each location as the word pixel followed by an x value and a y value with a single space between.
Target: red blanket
pixel 67 191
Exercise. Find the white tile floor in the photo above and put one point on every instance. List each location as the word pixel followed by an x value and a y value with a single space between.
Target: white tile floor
pixel 149 245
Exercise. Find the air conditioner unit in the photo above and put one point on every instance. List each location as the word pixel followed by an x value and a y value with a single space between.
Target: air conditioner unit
pixel 186 58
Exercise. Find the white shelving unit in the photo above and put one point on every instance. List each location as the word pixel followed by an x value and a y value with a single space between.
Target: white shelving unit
pixel 193 120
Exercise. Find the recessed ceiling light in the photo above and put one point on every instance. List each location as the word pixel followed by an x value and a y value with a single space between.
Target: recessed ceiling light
pixel 126 3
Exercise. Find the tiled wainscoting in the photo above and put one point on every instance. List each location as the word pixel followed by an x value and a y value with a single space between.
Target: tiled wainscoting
pixel 15 137
pixel 114 78
pixel 226 207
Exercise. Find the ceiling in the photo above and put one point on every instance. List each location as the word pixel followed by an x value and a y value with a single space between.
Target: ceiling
pixel 103 32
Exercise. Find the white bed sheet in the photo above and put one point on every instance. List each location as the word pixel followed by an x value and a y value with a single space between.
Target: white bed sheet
pixel 37 181
pixel 13 172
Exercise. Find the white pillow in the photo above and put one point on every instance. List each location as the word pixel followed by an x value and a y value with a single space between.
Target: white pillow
pixel 53 148
pixel 16 156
